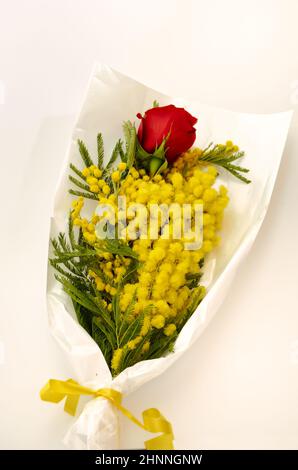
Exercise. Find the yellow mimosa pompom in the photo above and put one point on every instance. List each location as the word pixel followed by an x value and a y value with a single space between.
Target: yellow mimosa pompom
pixel 162 278
pixel 113 291
pixel 91 228
pixel 146 347
pixel 207 246
pixel 158 321
pixel 223 190
pixel 90 237
pixel 97 172
pixel 177 180
pixel 122 166
pixel 101 183
pixel 94 188
pixel 91 180
pixel 166 268
pixel 116 176
pixel 208 233
pixel 77 222
pixel 86 172
pixel 134 173
pixel 146 325
pixel 145 279
pixel 116 359
pixel 162 307
pixel 198 190
pixel 209 195
pixel 207 219
pixel 157 178
pixel 170 329
pixel 100 285
pixel 106 189
pixel 212 170
pixel 143 293
pixel 177 280
pixel 207 180
pixel 134 342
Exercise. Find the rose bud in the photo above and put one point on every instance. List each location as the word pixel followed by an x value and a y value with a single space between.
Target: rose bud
pixel 170 123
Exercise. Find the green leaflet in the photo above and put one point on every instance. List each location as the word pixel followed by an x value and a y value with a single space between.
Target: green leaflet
pixel 84 317
pixel 78 183
pixel 114 156
pixel 100 151
pixel 127 127
pixel 82 194
pixel 84 153
pixel 118 247
pixel 132 330
pixel 76 171
pixel 103 339
pixel 223 156
pixel 71 234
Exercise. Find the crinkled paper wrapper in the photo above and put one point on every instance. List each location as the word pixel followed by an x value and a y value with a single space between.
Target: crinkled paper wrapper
pixel 112 98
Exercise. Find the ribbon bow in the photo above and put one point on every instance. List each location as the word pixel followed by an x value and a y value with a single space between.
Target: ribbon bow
pixel 56 390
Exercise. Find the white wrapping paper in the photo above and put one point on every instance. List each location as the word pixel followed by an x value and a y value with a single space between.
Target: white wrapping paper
pixel 112 98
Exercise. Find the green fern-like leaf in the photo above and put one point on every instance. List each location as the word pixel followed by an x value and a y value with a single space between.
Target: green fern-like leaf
pixel 127 127
pixel 131 150
pixel 114 156
pixel 104 341
pixel 83 194
pixel 223 156
pixel 76 171
pixel 121 153
pixel 71 234
pixel 84 317
pixel 84 153
pixel 100 150
pixel 118 247
pixel 78 183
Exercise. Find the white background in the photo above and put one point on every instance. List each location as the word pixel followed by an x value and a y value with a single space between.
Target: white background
pixel 238 385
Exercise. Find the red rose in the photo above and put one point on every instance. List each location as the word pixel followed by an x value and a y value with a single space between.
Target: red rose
pixel 167 121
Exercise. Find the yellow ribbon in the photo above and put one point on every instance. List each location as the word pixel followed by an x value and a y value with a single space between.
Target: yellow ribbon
pixel 56 390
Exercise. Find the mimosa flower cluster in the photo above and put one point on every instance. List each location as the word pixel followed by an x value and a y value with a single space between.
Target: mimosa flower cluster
pixel 163 288
pixel 132 289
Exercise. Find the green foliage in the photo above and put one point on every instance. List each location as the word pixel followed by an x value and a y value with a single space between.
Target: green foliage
pixel 76 171
pixel 78 183
pixel 83 194
pixel 72 260
pixel 127 128
pixel 127 156
pixel 193 280
pixel 114 157
pixel 100 151
pixel 224 156
pixel 196 298
pixel 84 153
pixel 130 135
pixel 118 247
pixel 131 151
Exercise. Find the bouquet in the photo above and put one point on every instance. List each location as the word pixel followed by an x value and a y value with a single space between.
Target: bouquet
pixel 139 240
